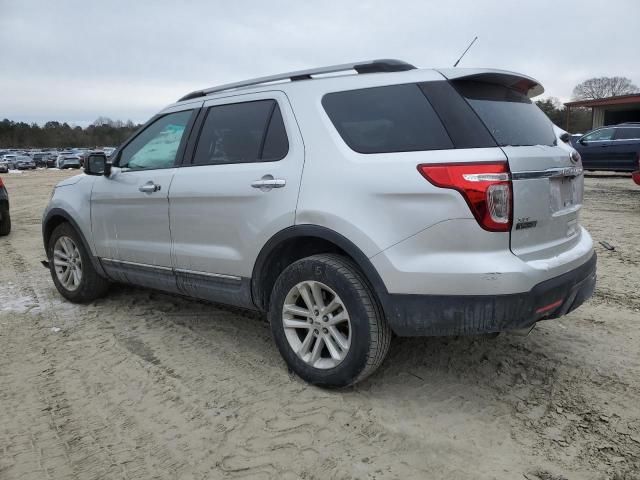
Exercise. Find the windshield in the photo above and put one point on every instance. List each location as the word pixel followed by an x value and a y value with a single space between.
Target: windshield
pixel 511 117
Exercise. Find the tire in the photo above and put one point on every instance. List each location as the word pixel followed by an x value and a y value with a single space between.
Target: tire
pixel 5 223
pixel 90 285
pixel 366 330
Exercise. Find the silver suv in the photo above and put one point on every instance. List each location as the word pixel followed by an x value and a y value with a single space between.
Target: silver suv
pixel 350 203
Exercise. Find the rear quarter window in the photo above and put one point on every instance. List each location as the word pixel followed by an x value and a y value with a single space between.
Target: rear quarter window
pixel 510 116
pixel 395 118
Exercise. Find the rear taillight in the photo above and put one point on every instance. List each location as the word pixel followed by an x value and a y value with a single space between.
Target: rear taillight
pixel 1 184
pixel 486 187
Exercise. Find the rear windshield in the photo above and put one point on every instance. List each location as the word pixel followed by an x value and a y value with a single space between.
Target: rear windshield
pixel 510 116
pixel 395 118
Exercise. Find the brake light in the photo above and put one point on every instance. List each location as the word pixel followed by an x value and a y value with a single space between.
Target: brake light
pixel 1 184
pixel 486 187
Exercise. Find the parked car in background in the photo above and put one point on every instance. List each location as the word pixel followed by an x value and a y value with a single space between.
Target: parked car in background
pixel 9 159
pixel 24 162
pixel 348 208
pixel 40 159
pixel 68 160
pixel 613 148
pixel 108 151
pixel 51 160
pixel 4 166
pixel 5 216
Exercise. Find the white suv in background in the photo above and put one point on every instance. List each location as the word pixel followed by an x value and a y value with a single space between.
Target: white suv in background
pixel 350 203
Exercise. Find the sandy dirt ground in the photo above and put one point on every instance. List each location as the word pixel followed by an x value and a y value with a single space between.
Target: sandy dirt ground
pixel 146 385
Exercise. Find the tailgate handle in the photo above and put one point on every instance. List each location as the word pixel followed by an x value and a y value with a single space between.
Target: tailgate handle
pixel 549 173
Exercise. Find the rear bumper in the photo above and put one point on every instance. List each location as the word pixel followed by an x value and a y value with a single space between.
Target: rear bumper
pixel 432 315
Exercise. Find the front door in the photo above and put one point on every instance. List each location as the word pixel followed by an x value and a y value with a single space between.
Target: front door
pixel 130 209
pixel 238 190
pixel 594 149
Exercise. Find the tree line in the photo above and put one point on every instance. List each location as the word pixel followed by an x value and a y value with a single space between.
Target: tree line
pixel 102 132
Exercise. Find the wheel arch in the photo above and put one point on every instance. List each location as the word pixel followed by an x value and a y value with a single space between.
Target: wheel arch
pixel 299 241
pixel 57 216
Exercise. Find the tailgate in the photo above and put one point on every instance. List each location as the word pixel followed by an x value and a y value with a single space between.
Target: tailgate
pixel 547 183
pixel 547 196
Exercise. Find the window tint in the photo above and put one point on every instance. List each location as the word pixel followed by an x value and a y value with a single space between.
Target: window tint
pixel 600 135
pixel 628 133
pixel 242 133
pixel 276 144
pixel 462 124
pixel 509 115
pixel 395 118
pixel 157 145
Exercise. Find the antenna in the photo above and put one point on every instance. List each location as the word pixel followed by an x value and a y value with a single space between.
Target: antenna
pixel 465 52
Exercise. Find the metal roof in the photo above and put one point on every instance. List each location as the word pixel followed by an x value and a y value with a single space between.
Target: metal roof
pixel 601 102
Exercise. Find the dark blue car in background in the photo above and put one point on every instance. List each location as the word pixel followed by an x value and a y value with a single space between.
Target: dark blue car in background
pixel 614 148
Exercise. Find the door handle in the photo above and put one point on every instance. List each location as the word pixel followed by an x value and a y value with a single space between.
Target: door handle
pixel 267 182
pixel 150 187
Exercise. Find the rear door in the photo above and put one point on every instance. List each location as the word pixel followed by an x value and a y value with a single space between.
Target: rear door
pixel 547 184
pixel 627 146
pixel 238 188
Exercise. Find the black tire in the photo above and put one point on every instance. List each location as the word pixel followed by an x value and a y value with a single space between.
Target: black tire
pixel 370 333
pixel 5 223
pixel 92 285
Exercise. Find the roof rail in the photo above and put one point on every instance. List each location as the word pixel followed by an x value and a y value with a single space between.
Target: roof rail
pixel 368 66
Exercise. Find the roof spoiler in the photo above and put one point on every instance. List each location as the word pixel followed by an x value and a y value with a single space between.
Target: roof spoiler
pixel 526 85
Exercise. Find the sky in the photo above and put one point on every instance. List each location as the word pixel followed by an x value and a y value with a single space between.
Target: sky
pixel 73 61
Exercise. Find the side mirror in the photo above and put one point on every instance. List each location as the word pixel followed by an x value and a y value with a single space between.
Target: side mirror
pixel 565 137
pixel 582 141
pixel 97 164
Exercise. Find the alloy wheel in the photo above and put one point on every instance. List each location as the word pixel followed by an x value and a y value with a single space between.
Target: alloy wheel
pixel 316 324
pixel 67 263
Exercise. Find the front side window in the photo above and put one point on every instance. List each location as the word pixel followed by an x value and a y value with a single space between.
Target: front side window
pixel 242 133
pixel 157 146
pixel 395 118
pixel 599 135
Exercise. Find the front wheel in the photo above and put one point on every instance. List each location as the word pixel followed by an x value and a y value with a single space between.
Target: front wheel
pixel 326 321
pixel 71 269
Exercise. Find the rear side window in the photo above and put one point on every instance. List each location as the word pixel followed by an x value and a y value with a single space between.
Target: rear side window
pixel 628 133
pixel 242 133
pixel 396 118
pixel 510 116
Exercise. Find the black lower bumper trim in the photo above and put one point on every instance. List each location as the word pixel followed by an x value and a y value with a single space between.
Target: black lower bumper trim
pixel 433 315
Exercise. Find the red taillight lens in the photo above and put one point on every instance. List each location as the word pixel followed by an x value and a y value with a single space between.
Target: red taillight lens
pixel 1 184
pixel 486 187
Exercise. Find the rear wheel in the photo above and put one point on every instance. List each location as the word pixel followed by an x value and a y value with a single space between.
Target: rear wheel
pixel 71 269
pixel 326 321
